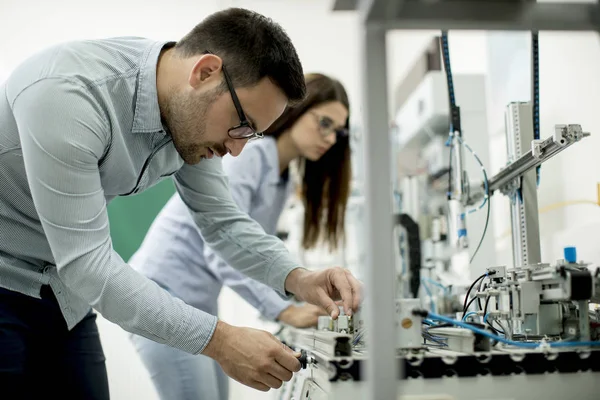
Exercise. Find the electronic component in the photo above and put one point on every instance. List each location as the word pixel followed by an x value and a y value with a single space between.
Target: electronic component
pixel 408 325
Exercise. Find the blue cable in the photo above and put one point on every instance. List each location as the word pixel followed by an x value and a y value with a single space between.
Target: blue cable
pixel 469 314
pixel 402 253
pixel 500 339
pixel 485 178
pixel 438 340
pixel 432 303
pixel 429 280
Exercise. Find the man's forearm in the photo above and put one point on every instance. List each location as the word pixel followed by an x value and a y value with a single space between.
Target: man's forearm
pixel 231 233
pixel 293 279
pixel 215 343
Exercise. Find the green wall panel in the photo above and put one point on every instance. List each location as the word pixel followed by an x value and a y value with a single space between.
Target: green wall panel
pixel 131 216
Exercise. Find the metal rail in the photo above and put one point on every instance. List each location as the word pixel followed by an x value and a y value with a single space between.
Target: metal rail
pixel 564 137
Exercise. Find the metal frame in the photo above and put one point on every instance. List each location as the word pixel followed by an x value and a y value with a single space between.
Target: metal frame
pixel 380 274
pixel 379 16
pixel 515 373
pixel 525 224
pixel 525 15
pixel 540 151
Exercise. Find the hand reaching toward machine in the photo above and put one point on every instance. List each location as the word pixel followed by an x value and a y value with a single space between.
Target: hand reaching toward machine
pixel 304 316
pixel 252 357
pixel 257 358
pixel 323 288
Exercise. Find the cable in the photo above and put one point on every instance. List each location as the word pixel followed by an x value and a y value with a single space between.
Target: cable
pixel 497 331
pixel 555 206
pixel 500 339
pixel 479 290
pixel 487 302
pixel 450 170
pixel 436 339
pixel 485 227
pixel 535 80
pixel 435 283
pixel 486 200
pixel 447 68
pixel 485 316
pixel 430 294
pixel 471 302
pixel 467 315
pixel 358 337
pixel 465 306
pixel 500 325
pixel 455 125
pixel 485 178
pixel 455 129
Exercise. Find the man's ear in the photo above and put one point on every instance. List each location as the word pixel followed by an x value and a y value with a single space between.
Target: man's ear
pixel 207 68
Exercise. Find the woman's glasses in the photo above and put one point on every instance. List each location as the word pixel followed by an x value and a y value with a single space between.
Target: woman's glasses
pixel 327 126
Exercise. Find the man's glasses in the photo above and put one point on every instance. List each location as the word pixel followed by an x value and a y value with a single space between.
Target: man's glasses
pixel 327 126
pixel 244 130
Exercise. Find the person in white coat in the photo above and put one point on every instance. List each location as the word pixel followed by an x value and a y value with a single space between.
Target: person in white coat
pixel 174 254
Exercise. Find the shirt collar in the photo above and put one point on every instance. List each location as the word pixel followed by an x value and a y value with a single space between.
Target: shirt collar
pixel 273 177
pixel 146 117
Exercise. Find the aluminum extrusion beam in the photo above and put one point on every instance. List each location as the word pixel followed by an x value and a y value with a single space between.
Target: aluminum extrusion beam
pixel 480 14
pixel 525 225
pixel 379 273
pixel 547 148
pixel 345 5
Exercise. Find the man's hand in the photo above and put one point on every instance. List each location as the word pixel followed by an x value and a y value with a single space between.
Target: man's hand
pixel 323 288
pixel 303 316
pixel 252 357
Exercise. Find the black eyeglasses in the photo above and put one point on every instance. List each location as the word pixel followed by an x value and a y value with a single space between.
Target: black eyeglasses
pixel 327 126
pixel 244 130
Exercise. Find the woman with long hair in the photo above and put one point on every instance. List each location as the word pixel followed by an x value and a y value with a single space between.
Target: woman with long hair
pixel 173 254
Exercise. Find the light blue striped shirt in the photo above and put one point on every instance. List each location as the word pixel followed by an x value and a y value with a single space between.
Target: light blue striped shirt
pixel 174 255
pixel 80 125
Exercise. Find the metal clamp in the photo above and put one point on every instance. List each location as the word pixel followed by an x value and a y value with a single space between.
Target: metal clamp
pixel 566 134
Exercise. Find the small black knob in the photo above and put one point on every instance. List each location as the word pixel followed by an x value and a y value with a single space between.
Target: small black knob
pixel 303 359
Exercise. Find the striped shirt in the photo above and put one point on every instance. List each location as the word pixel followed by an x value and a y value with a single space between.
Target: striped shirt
pixel 174 255
pixel 79 125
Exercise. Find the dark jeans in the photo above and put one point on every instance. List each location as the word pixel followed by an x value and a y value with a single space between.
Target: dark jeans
pixel 40 358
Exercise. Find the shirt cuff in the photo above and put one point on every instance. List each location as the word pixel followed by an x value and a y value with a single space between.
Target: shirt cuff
pixel 195 332
pixel 278 272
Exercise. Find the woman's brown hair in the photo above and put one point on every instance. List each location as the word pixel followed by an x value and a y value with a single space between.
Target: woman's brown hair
pixel 325 182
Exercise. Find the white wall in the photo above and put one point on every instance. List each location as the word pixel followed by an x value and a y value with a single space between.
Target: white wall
pixel 570 93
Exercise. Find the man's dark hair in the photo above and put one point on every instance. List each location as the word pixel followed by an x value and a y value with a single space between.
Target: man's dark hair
pixel 251 46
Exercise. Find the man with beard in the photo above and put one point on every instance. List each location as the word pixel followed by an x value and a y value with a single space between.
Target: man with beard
pixel 84 122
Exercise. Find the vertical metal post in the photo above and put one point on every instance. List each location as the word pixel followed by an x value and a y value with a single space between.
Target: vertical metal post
pixel 584 321
pixel 524 205
pixel 382 365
